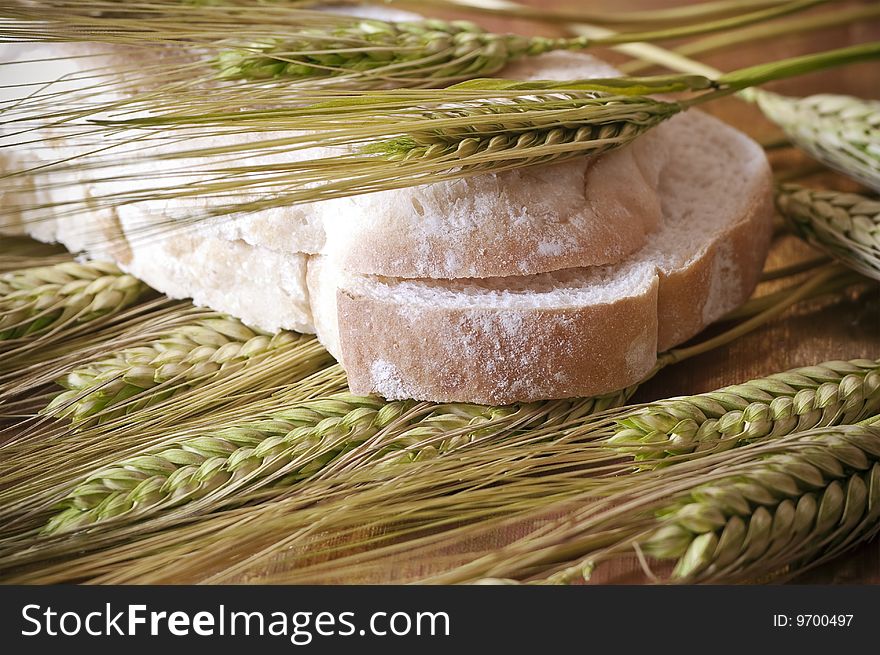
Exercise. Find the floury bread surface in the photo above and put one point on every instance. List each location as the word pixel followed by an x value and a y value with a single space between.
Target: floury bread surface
pixel 546 282
pixel 576 332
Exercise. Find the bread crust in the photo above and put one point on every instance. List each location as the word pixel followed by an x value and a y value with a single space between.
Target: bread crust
pixel 502 355
pixel 683 305
pixel 720 277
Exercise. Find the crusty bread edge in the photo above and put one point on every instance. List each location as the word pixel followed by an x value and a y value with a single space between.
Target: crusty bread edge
pixel 741 250
pixel 508 355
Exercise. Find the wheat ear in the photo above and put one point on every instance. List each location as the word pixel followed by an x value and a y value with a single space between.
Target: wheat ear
pixel 844 225
pixel 832 393
pixel 36 301
pixel 774 507
pixel 575 441
pixel 381 53
pixel 842 132
pixel 811 501
pixel 539 464
pixel 187 356
pixel 293 445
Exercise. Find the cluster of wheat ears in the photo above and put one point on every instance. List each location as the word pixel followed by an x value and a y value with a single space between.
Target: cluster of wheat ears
pixel 147 440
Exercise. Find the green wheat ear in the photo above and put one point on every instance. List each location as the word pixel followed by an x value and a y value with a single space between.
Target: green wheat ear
pixel 378 53
pixel 832 393
pixel 189 356
pixel 777 511
pixel 35 301
pixel 297 443
pixel 844 225
pixel 842 132
pixel 489 135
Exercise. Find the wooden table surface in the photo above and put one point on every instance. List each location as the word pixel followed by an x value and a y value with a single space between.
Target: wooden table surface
pixel 843 327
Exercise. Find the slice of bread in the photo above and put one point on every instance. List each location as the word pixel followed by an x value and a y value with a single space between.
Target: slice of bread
pixel 578 332
pixel 573 332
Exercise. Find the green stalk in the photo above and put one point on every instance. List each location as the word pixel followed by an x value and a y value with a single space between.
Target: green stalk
pixel 499 456
pixel 766 31
pixel 763 73
pixel 839 131
pixel 676 15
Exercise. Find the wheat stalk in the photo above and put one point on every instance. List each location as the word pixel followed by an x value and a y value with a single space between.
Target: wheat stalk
pixel 382 53
pixel 832 393
pixel 333 49
pixel 572 411
pixel 427 52
pixel 528 455
pixel 667 515
pixel 556 420
pixel 844 225
pixel 408 137
pixel 677 15
pixel 537 456
pixel 31 483
pixel 804 500
pixel 298 443
pixel 42 300
pixel 102 16
pixel 190 355
pixel 761 32
pixel 840 131
pixel 648 17
pixel 532 471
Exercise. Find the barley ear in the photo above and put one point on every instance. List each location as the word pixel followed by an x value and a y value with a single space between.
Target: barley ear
pixel 840 131
pixel 667 431
pixel 844 225
pixel 787 510
pixel 38 301
pixel 186 357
